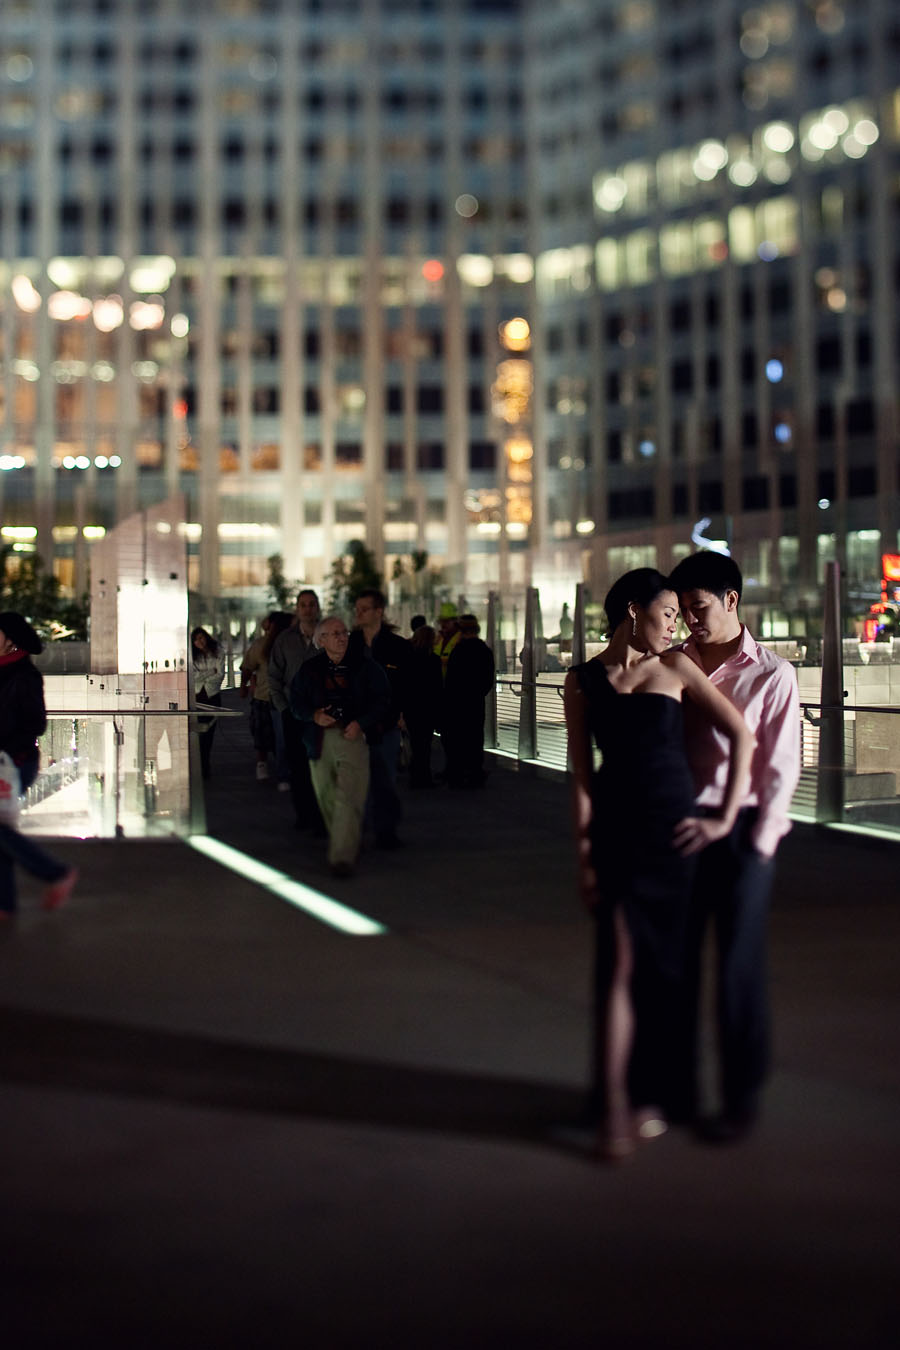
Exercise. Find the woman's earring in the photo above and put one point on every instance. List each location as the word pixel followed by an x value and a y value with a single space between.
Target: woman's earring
pixel 634 625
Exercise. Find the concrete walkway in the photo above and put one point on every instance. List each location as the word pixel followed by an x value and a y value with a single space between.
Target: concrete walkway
pixel 224 1124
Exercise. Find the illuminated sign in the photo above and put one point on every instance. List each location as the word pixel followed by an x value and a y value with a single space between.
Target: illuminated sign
pixel 699 540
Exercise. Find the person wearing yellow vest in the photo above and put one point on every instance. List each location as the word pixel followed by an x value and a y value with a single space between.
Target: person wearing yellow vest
pixel 447 634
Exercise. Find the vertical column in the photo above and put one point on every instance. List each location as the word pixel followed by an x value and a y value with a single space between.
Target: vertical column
pixel 830 777
pixel 728 351
pixel 528 705
pixel 374 475
pixel 414 485
pixel 208 375
pixel 490 637
pixel 882 234
pixel 46 206
pixel 662 406
pixel 803 381
pixel 768 455
pixel 292 354
pixel 579 644
pixel 244 357
pixel 599 478
pixel 127 207
pixel 175 425
pixel 455 351
pixel 497 430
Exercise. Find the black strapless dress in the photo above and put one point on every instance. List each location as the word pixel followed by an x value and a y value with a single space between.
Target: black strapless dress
pixel 640 792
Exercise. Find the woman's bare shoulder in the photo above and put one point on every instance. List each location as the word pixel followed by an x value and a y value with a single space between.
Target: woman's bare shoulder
pixel 678 660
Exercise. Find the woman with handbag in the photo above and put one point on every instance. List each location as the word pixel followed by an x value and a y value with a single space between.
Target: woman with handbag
pixel 23 717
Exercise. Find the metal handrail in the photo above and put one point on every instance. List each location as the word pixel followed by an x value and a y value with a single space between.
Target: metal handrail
pixel 853 707
pixel 202 709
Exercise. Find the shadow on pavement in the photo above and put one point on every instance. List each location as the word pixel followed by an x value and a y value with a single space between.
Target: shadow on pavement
pixel 86 1055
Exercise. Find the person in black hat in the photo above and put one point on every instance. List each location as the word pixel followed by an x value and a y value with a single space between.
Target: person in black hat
pixel 23 718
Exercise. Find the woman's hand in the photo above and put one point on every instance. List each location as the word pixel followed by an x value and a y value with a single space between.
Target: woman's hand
pixel 694 833
pixel 323 719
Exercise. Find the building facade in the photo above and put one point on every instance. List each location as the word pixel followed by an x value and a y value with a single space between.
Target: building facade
pixel 524 287
pixel 716 286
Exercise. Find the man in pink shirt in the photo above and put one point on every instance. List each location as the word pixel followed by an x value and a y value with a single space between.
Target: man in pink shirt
pixel 735 874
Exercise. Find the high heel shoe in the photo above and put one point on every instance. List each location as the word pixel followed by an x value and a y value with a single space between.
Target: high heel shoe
pixel 614 1148
pixel 616 1140
pixel 650 1123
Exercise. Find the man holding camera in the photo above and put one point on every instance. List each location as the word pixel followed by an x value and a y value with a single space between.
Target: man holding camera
pixel 341 699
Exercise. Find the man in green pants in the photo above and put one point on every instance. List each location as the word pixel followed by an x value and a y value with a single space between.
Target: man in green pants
pixel 342 701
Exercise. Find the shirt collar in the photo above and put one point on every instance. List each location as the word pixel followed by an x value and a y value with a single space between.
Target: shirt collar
pixel 749 649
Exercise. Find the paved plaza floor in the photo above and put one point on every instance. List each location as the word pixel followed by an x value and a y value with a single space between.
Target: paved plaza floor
pixel 226 1124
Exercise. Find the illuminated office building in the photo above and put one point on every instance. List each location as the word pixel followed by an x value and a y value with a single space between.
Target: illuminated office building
pixel 514 284
pixel 273 254
pixel 717 282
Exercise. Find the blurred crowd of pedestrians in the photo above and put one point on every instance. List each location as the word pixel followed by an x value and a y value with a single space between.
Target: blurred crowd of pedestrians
pixel 338 713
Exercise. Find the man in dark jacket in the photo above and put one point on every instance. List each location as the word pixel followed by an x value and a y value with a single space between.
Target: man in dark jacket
pixel 341 699
pixel 23 718
pixel 392 652
pixel 470 677
pixel 289 651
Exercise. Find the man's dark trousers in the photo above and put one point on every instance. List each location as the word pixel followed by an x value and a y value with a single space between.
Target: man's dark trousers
pixel 306 808
pixel 732 888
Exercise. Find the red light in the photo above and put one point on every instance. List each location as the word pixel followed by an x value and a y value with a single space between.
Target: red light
pixel 179 409
pixel 432 270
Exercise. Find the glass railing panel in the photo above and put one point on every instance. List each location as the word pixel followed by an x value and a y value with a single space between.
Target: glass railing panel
pixel 115 759
pixel 551 721
pixel 110 774
pixel 510 636
pixel 872 768
pixel 509 703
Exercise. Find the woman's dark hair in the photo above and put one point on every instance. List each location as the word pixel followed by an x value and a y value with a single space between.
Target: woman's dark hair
pixel 278 621
pixel 211 644
pixel 642 586
pixel 423 638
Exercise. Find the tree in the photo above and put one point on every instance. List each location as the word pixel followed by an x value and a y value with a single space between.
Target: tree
pixel 29 589
pixel 417 580
pixel 351 573
pixel 281 592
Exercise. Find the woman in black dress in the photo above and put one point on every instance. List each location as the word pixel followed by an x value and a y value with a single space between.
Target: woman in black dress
pixel 637 837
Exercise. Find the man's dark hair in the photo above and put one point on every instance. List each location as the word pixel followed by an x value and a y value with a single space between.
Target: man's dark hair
pixel 308 590
pixel 642 586
pixel 378 598
pixel 707 571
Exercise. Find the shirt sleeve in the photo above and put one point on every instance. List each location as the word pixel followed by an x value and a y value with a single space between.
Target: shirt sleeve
pixel 252 658
pixel 778 748
pixel 277 692
pixel 302 695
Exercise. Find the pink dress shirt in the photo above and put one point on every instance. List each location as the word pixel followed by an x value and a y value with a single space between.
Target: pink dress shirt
pixel 763 687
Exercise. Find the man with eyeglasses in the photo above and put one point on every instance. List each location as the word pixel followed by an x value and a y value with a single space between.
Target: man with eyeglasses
pixel 340 698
